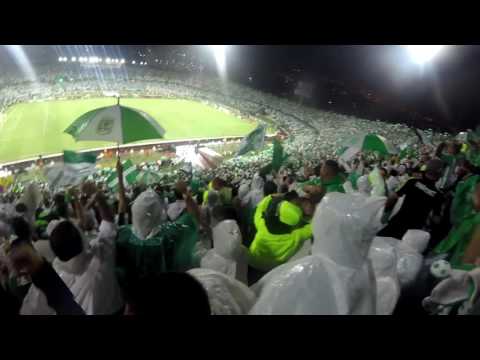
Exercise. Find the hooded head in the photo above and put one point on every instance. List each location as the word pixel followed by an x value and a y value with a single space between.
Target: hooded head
pixel 344 226
pixel 147 213
pixel 227 239
pixel 213 199
pixel 416 239
pixel 257 183
pixel 289 213
pixel 243 190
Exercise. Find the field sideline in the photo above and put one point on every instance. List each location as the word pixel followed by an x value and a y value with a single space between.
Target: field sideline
pixel 31 129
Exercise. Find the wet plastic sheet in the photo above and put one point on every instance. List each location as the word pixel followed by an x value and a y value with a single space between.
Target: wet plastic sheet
pixel 384 262
pixel 227 296
pixel 228 255
pixel 338 278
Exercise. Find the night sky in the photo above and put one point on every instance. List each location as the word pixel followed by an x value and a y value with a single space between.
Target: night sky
pixel 376 82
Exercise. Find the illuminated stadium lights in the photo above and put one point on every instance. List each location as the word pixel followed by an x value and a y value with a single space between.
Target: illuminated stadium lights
pixel 122 61
pixel 73 59
pixel 219 52
pixel 421 54
pixel 133 62
pixel 108 60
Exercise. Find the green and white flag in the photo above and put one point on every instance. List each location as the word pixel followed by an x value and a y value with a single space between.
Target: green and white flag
pixel 75 168
pixel 130 174
pixel 253 141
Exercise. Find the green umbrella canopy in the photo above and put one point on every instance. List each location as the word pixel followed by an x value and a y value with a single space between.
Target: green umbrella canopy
pixel 116 123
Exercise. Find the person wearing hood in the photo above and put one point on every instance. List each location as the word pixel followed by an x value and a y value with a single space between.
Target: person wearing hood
pixel 221 187
pixel 226 295
pixel 151 246
pixel 281 231
pixel 178 207
pixel 228 255
pixel 255 195
pixel 87 267
pixel 338 278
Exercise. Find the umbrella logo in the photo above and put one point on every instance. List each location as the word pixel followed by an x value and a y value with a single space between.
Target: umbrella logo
pixel 105 126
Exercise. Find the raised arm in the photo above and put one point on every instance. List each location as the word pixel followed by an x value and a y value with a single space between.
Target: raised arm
pixel 122 199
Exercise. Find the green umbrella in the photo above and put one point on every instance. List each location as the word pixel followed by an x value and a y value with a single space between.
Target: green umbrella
pixel 120 124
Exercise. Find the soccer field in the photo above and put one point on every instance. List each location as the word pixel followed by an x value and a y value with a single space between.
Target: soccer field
pixel 31 129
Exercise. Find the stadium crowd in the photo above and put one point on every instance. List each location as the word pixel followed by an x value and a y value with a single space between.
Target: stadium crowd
pixel 317 233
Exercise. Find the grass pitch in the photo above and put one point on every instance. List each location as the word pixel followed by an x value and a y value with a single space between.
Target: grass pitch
pixel 31 129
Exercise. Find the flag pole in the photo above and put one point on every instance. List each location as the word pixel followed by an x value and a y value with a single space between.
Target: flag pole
pixel 118 144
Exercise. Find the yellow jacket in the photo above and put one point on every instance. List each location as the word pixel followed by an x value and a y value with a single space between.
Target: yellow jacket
pixel 269 250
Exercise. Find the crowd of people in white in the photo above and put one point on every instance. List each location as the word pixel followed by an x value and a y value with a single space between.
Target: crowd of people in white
pixel 319 235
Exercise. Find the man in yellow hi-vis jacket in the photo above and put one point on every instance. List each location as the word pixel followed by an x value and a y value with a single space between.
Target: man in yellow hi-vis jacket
pixel 281 232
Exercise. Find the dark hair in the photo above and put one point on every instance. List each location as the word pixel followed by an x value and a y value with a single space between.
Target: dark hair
pixel 269 188
pixel 221 213
pixel 332 164
pixel 316 170
pixel 291 195
pixel 178 194
pixel 170 294
pixel 21 229
pixel 393 172
pixel 66 241
pixel 21 208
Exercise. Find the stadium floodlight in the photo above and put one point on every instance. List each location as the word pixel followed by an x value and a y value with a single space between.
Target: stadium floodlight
pixel 421 54
pixel 122 61
pixel 108 60
pixel 73 59
pixel 219 52
pixel 60 59
pixel 133 62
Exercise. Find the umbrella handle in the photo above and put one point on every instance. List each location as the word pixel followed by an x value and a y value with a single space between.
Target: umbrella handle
pixel 118 150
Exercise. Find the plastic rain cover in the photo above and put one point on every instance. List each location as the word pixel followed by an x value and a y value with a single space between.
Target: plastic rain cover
pixel 338 277
pixel 227 296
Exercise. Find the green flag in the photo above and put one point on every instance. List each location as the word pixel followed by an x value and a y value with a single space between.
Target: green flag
pixel 130 174
pixel 75 168
pixel 278 156
pixel 253 141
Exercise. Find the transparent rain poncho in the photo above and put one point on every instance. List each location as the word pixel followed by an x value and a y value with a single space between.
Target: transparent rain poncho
pixel 148 212
pixel 338 277
pixel 226 295
pixel 228 255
